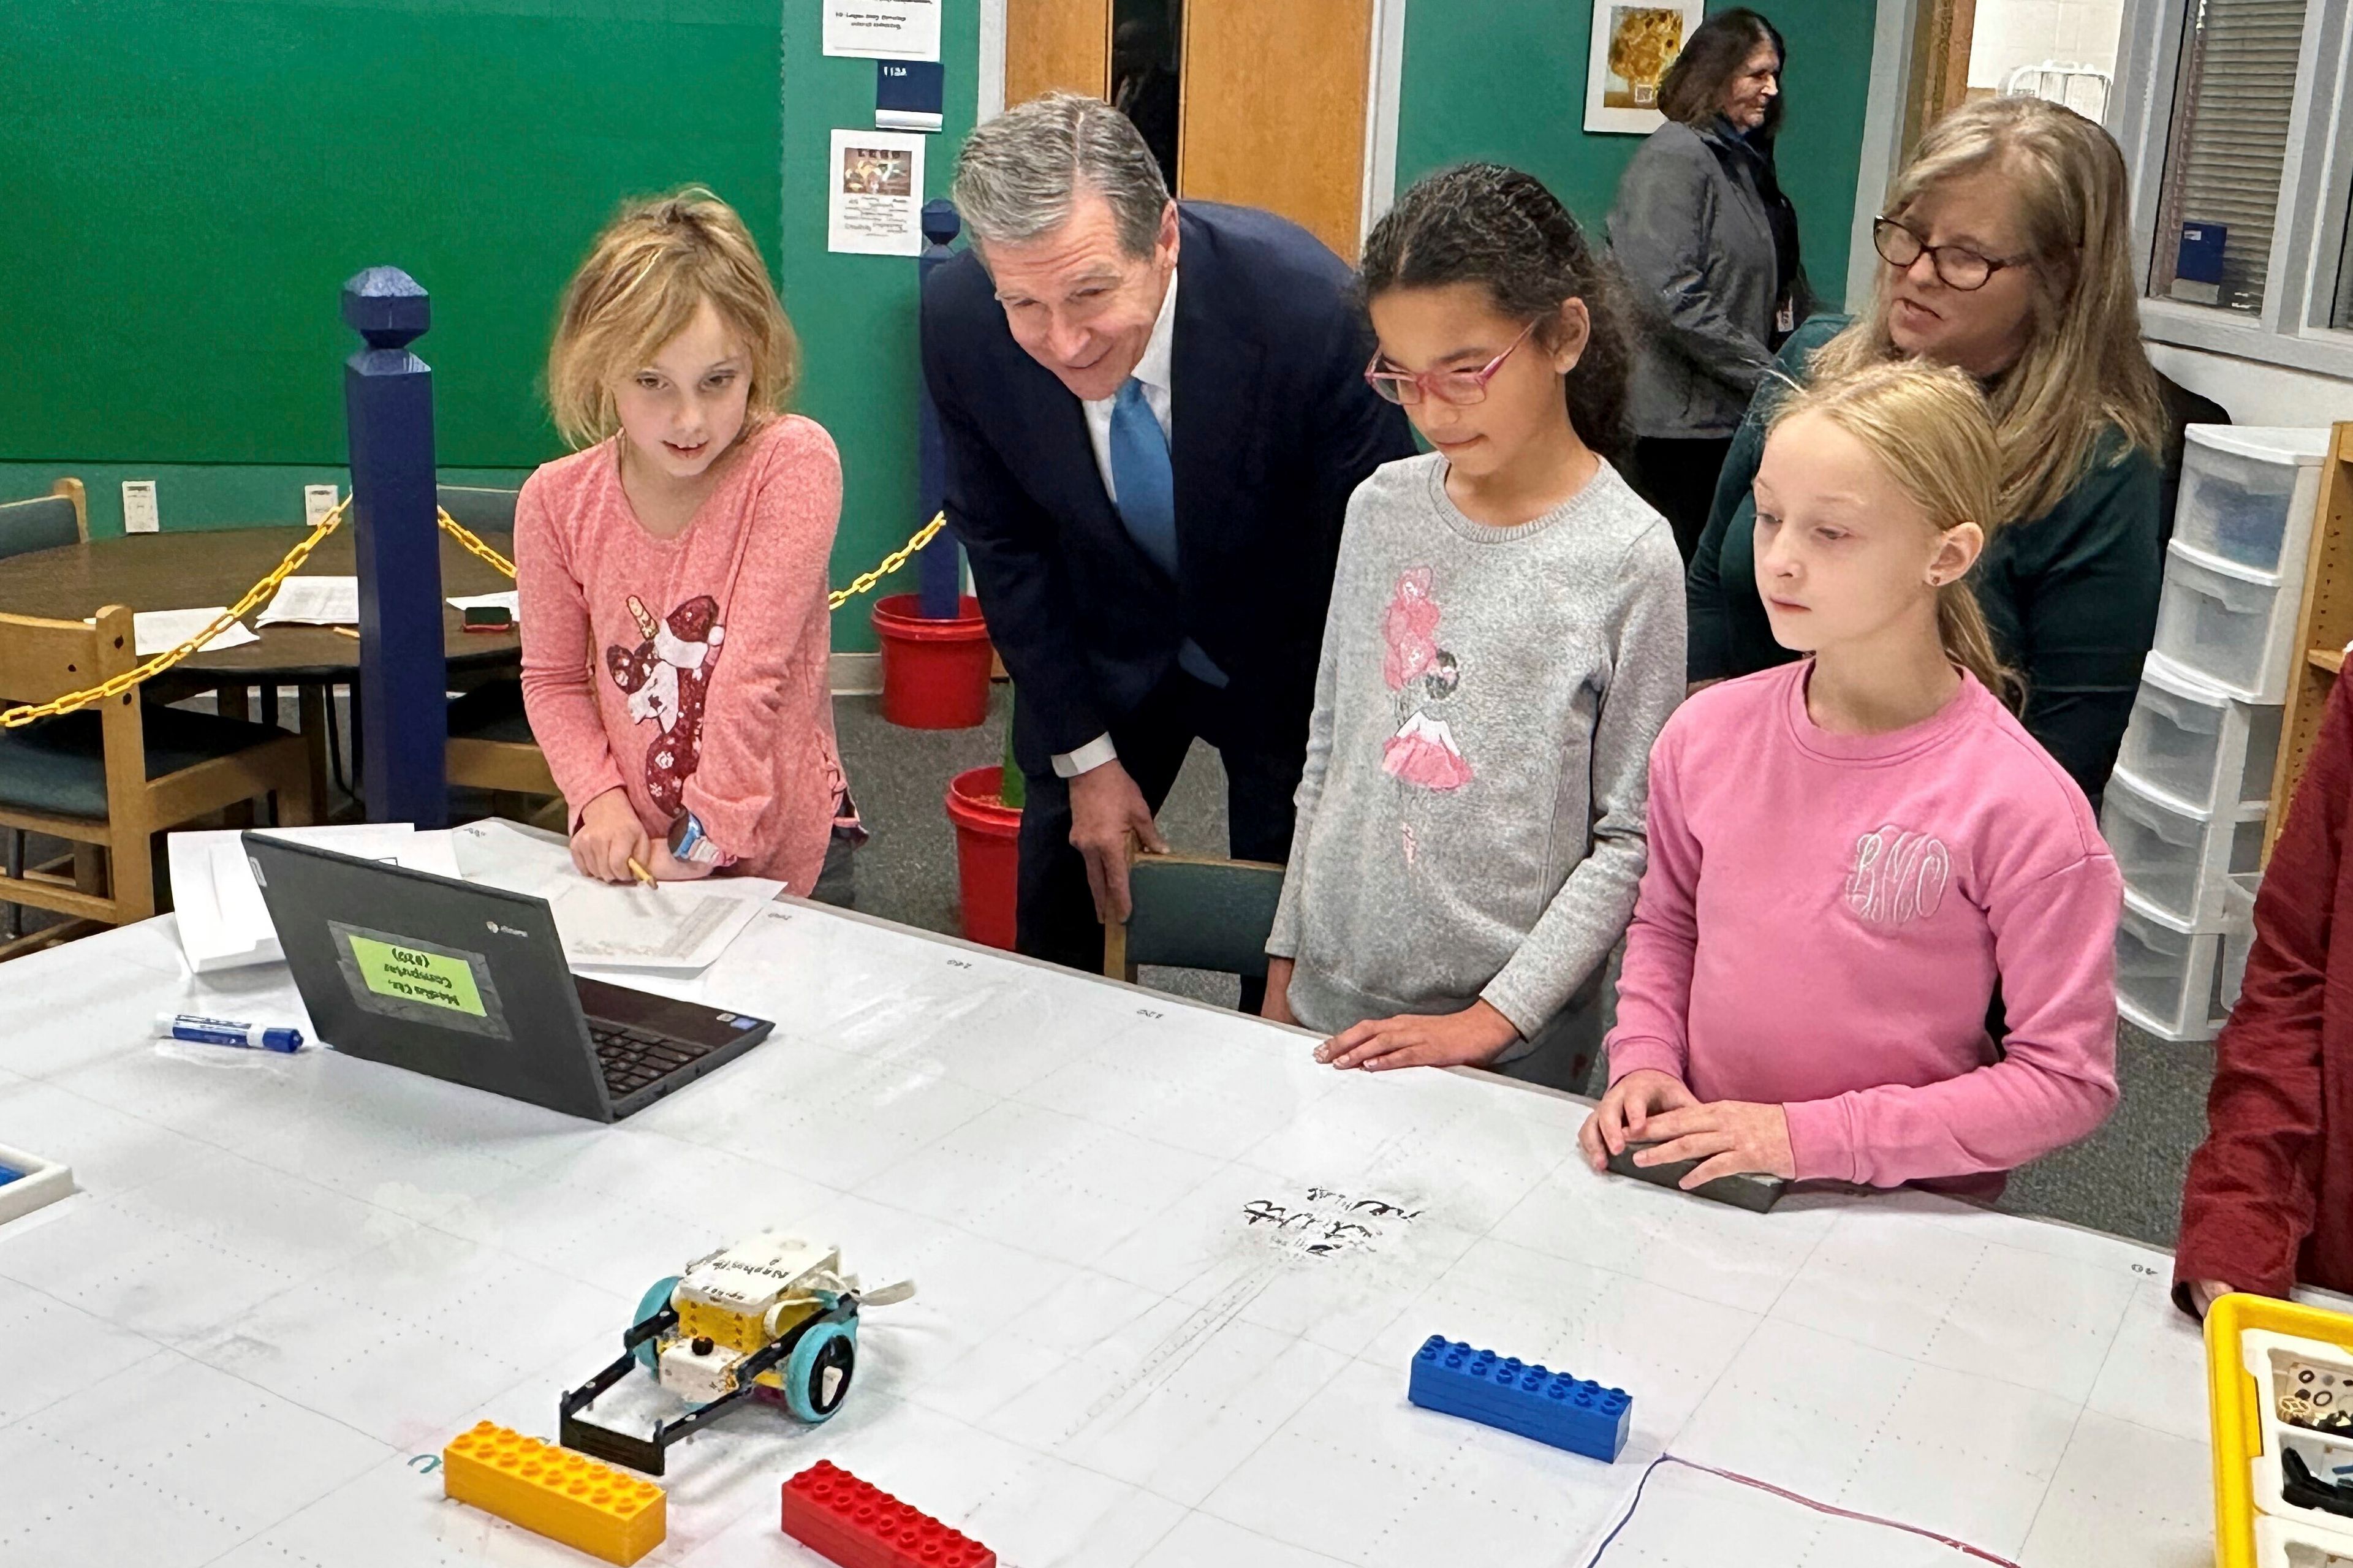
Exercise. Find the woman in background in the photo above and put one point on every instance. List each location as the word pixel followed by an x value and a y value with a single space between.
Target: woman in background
pixel 1710 244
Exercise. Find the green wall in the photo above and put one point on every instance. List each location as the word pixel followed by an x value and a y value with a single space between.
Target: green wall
pixel 1505 79
pixel 189 182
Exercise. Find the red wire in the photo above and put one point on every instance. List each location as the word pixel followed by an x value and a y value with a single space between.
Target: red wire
pixel 1961 1546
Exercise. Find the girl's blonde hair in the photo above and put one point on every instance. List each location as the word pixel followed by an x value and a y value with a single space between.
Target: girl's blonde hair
pixel 646 276
pixel 1929 428
pixel 2084 369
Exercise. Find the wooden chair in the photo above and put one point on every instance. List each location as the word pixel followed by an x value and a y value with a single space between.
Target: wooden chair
pixel 1191 911
pixel 490 744
pixel 478 507
pixel 44 523
pixel 108 778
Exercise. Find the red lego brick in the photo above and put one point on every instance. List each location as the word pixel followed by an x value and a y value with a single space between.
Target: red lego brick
pixel 838 1516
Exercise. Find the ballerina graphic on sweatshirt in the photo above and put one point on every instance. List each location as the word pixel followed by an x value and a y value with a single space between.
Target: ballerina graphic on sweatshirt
pixel 1422 753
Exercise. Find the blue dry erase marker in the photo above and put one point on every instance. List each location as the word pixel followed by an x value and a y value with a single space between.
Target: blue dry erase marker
pixel 226 1032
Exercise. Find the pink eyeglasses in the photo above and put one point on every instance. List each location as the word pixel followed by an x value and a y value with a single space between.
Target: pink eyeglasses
pixel 1460 388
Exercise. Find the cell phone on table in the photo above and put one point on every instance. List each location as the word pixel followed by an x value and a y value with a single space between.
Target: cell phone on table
pixel 488 619
pixel 1750 1190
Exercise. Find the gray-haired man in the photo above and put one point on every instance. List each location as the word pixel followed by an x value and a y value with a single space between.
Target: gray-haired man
pixel 1154 412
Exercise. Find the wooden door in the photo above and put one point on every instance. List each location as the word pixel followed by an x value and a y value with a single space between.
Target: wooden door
pixel 1052 44
pixel 1938 77
pixel 1275 110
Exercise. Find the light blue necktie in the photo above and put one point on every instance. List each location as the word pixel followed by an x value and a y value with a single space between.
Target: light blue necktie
pixel 1146 483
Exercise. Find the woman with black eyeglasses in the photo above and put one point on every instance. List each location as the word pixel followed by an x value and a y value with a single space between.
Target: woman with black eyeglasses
pixel 2005 254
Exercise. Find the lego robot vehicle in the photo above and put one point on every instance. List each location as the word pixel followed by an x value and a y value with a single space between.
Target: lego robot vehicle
pixel 772 1318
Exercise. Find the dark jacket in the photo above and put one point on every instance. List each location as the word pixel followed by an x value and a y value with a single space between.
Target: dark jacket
pixel 2269 1202
pixel 2070 595
pixel 1273 427
pixel 1694 235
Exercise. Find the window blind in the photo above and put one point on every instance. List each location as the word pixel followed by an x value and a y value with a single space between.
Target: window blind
pixel 2228 144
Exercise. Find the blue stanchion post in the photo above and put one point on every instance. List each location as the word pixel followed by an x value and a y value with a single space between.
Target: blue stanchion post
pixel 940 568
pixel 388 402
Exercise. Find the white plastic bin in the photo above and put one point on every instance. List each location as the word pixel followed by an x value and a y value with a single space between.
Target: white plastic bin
pixel 2196 743
pixel 2248 494
pixel 2179 860
pixel 2230 626
pixel 2166 973
pixel 2238 940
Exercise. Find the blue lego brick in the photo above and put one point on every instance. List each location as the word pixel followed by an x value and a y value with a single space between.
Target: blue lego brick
pixel 1552 1407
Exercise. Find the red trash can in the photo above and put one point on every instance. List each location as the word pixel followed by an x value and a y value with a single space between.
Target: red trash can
pixel 934 673
pixel 989 855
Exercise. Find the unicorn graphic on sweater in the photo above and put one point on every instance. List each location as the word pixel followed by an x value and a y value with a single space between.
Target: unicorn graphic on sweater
pixel 667 678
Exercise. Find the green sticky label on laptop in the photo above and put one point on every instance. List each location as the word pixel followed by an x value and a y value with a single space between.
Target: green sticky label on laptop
pixel 413 975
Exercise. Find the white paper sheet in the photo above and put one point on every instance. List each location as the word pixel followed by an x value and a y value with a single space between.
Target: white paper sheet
pixel 223 922
pixel 508 601
pixel 874 192
pixel 884 29
pixel 160 631
pixel 313 602
pixel 678 927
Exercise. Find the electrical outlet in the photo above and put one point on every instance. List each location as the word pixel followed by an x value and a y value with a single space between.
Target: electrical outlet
pixel 139 514
pixel 318 501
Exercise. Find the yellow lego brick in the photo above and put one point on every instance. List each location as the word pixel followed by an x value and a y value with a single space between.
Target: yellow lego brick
pixel 555 1492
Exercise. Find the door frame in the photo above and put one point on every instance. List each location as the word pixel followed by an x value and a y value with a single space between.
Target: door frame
pixel 1885 113
pixel 1382 90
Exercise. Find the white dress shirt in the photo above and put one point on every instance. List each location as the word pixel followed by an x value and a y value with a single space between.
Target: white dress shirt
pixel 1152 370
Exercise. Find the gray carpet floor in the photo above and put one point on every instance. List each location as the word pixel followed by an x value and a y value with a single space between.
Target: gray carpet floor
pixel 2124 1178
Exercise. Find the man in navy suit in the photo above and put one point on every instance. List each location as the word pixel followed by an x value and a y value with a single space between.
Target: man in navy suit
pixel 1154 415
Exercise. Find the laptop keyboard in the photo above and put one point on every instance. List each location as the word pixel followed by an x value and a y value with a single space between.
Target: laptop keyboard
pixel 633 1058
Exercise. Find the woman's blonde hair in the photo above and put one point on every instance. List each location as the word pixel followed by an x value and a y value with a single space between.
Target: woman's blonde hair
pixel 646 276
pixel 1929 427
pixel 2083 370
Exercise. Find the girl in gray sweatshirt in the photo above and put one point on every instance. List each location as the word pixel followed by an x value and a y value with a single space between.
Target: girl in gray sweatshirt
pixel 1505 640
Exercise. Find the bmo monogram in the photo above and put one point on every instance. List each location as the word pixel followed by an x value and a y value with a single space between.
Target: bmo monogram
pixel 1898 876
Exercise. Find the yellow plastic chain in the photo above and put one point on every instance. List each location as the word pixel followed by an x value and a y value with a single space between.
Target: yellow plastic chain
pixel 148 668
pixel 890 562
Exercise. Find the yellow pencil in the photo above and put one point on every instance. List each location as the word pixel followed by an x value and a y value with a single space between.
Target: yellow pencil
pixel 641 874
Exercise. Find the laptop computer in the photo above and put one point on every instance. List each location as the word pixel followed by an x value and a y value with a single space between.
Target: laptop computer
pixel 469 983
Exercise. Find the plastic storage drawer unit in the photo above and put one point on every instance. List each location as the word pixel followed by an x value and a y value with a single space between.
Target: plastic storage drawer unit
pixel 2167 974
pixel 2196 743
pixel 2248 495
pixel 2226 624
pixel 2238 939
pixel 2178 859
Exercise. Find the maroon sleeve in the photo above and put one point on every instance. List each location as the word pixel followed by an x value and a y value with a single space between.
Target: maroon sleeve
pixel 2249 1202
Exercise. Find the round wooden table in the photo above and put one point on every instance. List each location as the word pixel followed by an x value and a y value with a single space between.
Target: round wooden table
pixel 216 566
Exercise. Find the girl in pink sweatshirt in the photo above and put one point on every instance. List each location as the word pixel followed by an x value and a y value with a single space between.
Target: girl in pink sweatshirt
pixel 672 571
pixel 1850 853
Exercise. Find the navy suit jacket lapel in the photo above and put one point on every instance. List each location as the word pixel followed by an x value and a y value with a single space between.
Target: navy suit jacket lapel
pixel 1061 456
pixel 1213 391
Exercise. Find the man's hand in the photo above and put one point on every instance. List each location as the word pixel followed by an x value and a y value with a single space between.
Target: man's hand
pixel 1624 1114
pixel 2204 1293
pixel 1105 808
pixel 611 837
pixel 1728 1137
pixel 1277 1005
pixel 1476 1035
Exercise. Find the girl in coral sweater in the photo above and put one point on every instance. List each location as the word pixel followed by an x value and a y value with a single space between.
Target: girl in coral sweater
pixel 672 569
